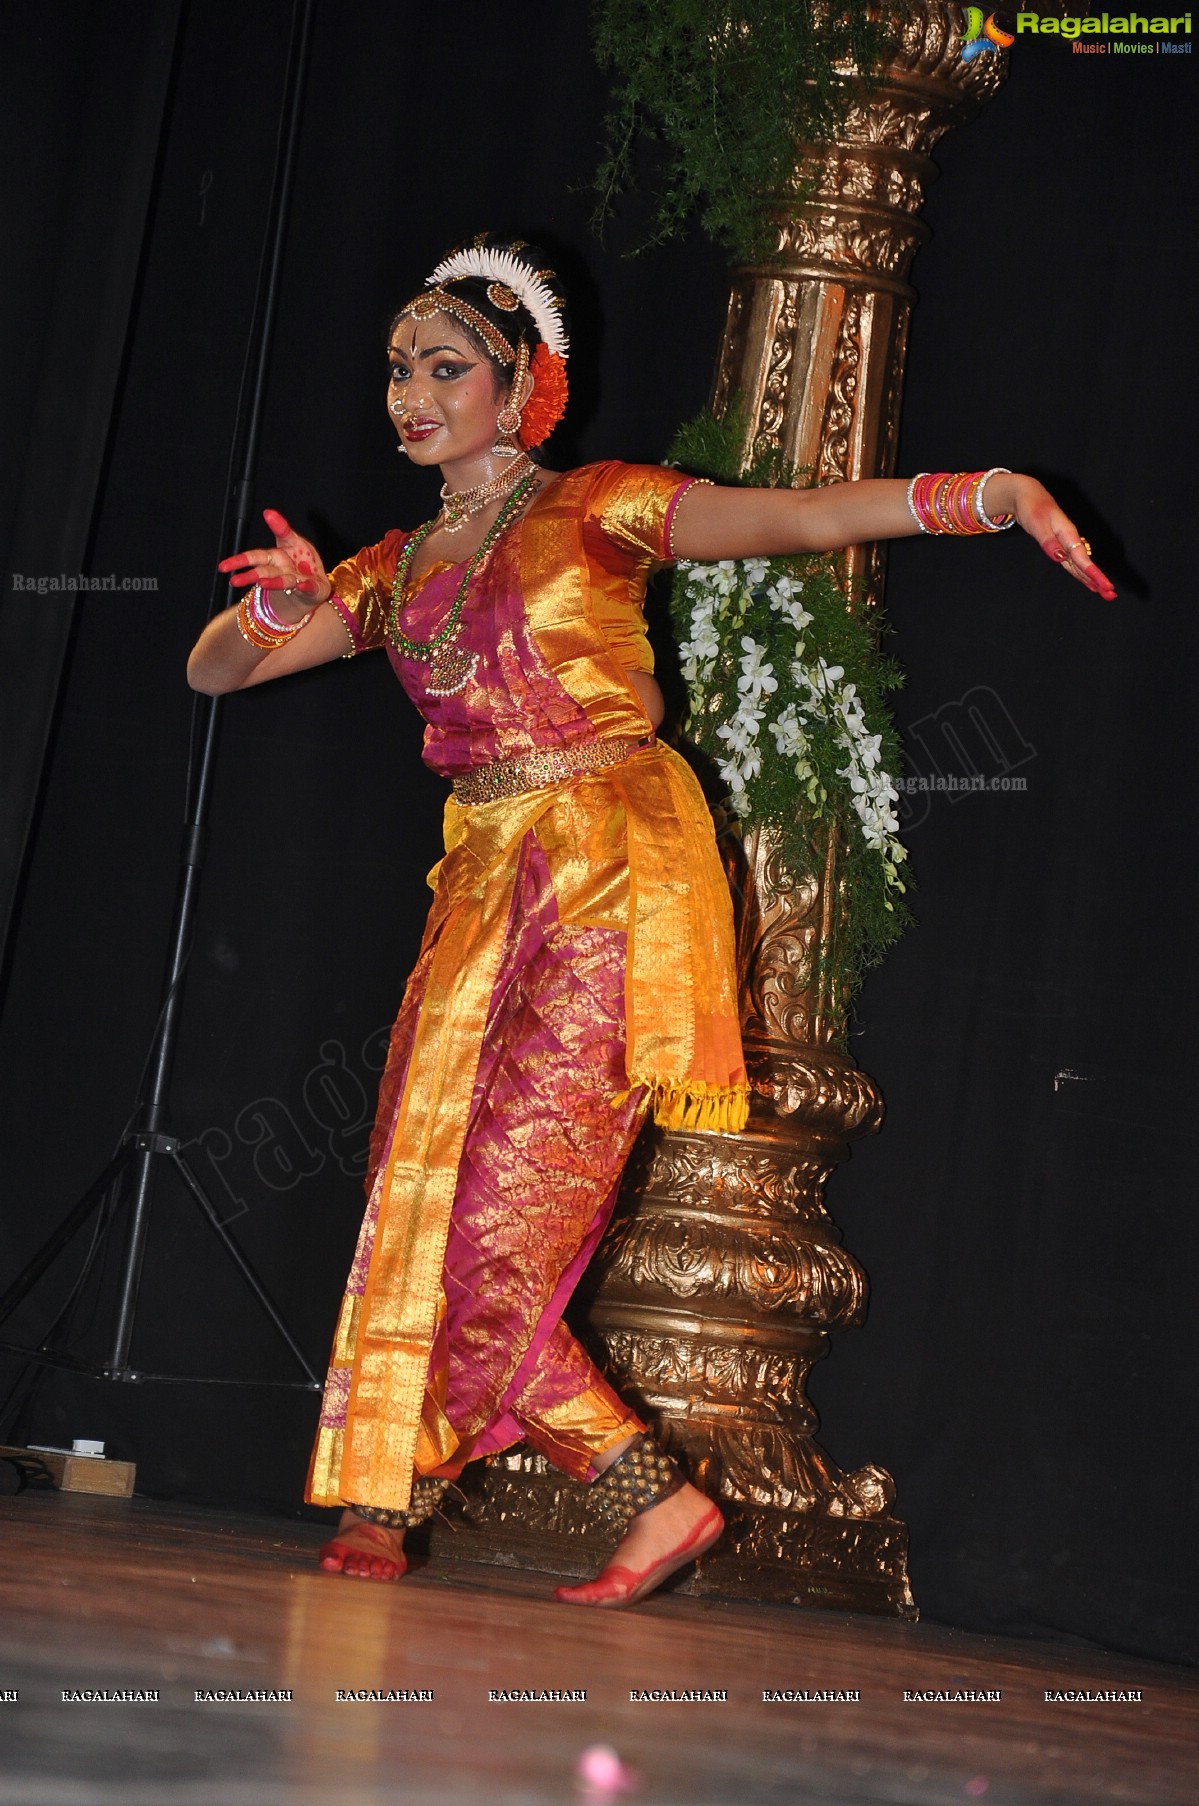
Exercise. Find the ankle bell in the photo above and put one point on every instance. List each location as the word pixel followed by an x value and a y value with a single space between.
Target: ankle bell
pixel 426 1496
pixel 640 1478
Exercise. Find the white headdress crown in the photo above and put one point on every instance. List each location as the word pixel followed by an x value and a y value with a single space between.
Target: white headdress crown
pixel 531 290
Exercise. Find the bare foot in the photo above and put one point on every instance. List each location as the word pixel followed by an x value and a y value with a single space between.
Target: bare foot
pixel 657 1543
pixel 364 1551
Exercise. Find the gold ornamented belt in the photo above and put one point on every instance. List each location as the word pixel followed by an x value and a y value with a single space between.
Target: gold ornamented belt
pixel 509 777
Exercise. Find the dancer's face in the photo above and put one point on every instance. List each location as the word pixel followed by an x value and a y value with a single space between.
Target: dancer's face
pixel 443 394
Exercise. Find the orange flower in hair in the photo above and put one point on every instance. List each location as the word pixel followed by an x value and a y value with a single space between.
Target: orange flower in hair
pixel 547 404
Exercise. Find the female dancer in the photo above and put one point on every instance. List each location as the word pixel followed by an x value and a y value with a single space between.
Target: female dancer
pixel 576 969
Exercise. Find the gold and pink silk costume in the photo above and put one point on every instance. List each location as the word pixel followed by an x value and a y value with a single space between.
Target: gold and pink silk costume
pixel 576 969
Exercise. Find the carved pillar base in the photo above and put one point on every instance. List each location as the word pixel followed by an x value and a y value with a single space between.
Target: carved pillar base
pixel 523 1514
pixel 716 1290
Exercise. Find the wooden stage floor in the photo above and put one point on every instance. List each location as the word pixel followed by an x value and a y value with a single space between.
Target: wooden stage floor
pixel 122 1595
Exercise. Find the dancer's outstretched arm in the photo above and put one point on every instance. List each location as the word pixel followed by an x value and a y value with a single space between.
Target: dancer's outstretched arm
pixel 713 523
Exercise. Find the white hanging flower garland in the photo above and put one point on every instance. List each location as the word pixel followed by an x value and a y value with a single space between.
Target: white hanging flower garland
pixel 813 699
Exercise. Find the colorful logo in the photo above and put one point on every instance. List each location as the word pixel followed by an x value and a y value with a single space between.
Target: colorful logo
pixel 982 34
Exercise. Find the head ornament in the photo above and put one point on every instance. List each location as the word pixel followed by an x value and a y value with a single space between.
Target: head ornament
pixel 528 285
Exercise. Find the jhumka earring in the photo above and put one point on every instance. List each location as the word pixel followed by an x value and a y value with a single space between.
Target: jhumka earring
pixel 508 419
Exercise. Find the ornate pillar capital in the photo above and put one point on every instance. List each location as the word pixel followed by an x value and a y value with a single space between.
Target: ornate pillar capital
pixel 815 340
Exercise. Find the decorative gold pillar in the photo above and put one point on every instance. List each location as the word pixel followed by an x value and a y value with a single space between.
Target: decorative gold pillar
pixel 723 1276
pixel 815 344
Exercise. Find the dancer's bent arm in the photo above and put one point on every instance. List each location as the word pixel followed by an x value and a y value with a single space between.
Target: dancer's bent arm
pixel 221 659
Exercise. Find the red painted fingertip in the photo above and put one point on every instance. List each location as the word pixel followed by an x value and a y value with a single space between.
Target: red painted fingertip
pixel 276 522
pixel 1095 579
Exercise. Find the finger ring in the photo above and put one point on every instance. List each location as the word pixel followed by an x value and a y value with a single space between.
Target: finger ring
pixel 289 592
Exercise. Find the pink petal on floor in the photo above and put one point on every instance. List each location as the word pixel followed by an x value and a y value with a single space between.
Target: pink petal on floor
pixel 601 1775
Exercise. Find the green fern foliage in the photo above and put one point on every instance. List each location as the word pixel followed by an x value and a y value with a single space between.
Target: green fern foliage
pixel 727 91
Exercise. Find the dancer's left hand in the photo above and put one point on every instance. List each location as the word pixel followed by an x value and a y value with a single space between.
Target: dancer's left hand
pixel 1058 537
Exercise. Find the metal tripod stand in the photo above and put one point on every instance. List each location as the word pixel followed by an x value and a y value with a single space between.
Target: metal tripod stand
pixel 149 1143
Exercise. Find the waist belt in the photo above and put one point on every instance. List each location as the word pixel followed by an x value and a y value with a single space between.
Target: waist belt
pixel 509 777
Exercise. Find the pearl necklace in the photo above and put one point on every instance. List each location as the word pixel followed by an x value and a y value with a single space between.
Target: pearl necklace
pixel 449 667
pixel 460 504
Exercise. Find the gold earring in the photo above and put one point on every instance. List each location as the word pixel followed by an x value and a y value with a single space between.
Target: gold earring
pixel 507 421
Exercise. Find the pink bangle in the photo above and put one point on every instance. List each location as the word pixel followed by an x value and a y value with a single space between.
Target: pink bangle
pixel 260 627
pixel 267 617
pixel 951 502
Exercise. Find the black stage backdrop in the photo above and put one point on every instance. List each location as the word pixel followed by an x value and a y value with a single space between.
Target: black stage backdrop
pixel 1027 1215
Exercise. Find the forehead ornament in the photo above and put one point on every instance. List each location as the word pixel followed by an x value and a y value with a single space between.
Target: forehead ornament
pixel 436 300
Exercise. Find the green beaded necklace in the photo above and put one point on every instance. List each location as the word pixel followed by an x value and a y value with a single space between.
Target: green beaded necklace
pixel 449 668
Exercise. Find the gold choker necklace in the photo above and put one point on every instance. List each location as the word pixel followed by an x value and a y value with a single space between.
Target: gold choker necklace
pixel 460 504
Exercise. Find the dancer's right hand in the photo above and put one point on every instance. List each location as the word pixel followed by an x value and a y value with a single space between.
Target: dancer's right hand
pixel 291 564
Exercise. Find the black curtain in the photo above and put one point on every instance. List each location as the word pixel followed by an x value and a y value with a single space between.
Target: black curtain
pixel 1025 1217
pixel 87 115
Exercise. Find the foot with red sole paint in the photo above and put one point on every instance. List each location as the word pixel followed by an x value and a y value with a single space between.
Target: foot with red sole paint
pixel 657 1543
pixel 364 1551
